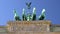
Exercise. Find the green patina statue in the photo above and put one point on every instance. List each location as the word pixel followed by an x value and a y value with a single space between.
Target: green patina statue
pixel 29 17
pixel 24 17
pixel 16 17
pixel 34 14
pixel 42 16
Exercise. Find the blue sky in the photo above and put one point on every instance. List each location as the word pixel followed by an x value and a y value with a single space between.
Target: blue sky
pixel 52 9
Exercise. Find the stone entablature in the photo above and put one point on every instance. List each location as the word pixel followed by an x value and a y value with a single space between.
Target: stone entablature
pixel 31 26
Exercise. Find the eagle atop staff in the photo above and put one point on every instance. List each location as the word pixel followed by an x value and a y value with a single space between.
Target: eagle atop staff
pixel 28 5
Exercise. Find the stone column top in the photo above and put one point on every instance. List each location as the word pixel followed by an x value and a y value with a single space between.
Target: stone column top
pixel 29 22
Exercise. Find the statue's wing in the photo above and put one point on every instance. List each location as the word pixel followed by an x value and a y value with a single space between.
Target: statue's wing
pixel 26 3
pixel 30 3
